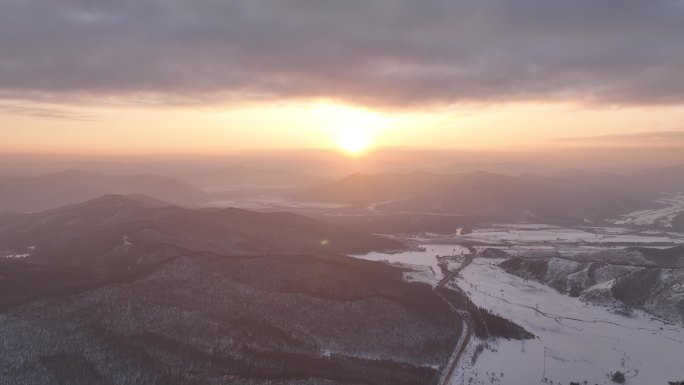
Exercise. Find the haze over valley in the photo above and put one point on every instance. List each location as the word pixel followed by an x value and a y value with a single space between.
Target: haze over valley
pixel 386 192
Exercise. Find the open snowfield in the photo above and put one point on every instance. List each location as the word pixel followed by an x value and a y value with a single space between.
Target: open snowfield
pixel 575 341
pixel 541 237
pixel 10 255
pixel 15 256
pixel 424 262
pixel 661 217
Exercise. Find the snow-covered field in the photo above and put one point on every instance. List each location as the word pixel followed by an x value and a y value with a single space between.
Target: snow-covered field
pixel 424 262
pixel 661 217
pixel 15 256
pixel 539 236
pixel 575 341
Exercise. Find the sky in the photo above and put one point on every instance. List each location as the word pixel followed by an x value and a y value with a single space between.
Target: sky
pixel 222 76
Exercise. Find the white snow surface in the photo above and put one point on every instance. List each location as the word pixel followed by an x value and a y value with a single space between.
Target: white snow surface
pixel 517 238
pixel 423 274
pixel 418 260
pixel 661 217
pixel 15 256
pixel 575 341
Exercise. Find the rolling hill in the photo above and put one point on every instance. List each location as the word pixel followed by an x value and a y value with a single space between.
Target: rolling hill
pixel 72 186
pixel 133 289
pixel 108 227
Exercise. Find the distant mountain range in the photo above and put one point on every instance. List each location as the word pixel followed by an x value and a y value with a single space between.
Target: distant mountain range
pixel 73 186
pixel 238 177
pixel 35 193
pixel 484 195
pixel 651 182
pixel 569 197
pixel 107 229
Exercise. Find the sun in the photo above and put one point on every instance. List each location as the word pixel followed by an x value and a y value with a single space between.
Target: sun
pixel 353 129
pixel 354 140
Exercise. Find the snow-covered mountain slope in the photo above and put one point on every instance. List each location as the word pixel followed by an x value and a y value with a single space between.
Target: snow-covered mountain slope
pixel 647 279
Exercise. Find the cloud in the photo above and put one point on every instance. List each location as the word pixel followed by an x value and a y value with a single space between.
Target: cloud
pixel 23 109
pixel 389 53
pixel 638 139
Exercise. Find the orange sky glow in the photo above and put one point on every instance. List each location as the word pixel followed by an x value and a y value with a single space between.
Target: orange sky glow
pixel 328 125
pixel 220 77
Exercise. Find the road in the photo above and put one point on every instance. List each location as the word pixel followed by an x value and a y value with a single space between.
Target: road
pixel 467 333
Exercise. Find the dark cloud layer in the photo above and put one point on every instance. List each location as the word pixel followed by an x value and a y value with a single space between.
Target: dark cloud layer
pixel 382 52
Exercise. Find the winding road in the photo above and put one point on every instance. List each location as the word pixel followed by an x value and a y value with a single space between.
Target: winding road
pixel 467 327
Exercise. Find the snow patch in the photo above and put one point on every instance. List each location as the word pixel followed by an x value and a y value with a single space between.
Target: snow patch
pixel 426 256
pixel 661 217
pixel 15 256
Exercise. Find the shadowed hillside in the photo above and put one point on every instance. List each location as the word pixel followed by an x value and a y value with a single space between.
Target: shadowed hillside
pixel 129 288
